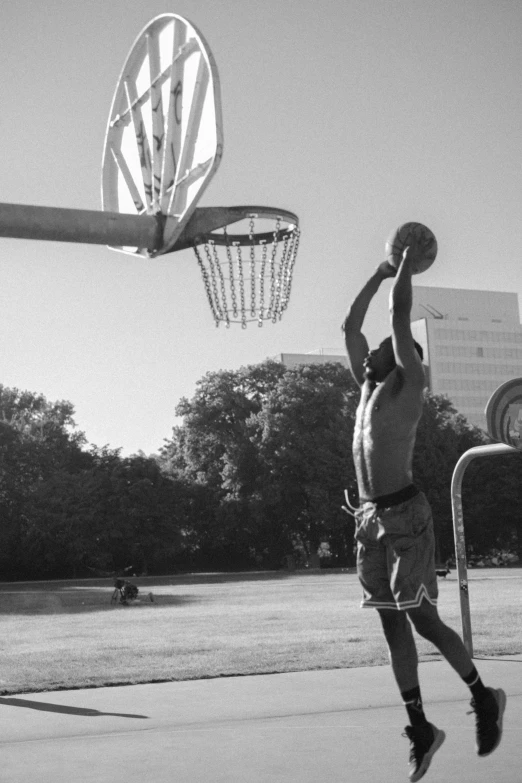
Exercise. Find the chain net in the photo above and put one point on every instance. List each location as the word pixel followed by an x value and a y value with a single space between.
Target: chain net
pixel 249 279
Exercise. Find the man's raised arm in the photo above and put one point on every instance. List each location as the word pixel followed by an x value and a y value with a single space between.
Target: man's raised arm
pixel 401 299
pixel 356 343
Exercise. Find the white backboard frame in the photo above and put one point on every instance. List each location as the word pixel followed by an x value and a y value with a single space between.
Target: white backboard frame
pixel 164 138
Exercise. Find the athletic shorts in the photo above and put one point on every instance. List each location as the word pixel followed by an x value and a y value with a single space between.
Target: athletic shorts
pixel 396 554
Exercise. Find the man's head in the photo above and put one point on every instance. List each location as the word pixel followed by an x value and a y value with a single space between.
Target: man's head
pixel 381 361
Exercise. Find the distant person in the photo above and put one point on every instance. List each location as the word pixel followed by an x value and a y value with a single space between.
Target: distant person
pixel 126 591
pixel 394 526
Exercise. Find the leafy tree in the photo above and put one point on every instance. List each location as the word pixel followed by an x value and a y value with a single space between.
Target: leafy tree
pixel 139 512
pixel 215 423
pixel 492 486
pixel 119 512
pixel 492 503
pixel 64 508
pixel 304 435
pixel 212 450
pixel 272 445
pixel 37 438
pixel 443 435
pixel 59 526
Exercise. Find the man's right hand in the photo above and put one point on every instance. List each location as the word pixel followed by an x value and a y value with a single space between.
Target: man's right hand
pixel 386 270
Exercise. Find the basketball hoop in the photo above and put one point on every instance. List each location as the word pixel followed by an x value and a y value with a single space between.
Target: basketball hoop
pixel 248 274
pixel 163 145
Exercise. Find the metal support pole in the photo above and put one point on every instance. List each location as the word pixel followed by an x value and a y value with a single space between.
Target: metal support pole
pixel 23 221
pixel 458 529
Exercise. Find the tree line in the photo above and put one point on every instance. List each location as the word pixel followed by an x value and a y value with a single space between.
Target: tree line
pixel 254 477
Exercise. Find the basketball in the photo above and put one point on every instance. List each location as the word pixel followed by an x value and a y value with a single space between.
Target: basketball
pixel 421 241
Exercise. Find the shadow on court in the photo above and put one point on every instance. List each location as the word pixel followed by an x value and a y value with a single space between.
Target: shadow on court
pixel 42 706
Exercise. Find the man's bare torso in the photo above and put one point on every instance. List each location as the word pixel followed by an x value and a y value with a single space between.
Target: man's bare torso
pixel 384 436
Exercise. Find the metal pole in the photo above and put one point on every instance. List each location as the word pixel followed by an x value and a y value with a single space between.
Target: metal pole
pixel 23 221
pixel 458 529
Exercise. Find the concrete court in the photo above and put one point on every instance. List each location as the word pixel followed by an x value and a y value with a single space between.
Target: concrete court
pixel 302 727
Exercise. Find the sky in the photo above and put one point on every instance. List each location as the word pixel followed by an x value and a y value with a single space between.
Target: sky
pixel 357 115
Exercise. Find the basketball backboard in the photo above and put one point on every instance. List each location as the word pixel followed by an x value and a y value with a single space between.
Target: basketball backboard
pixel 504 413
pixel 164 138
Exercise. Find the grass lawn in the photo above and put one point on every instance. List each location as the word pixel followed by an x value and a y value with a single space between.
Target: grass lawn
pixel 68 635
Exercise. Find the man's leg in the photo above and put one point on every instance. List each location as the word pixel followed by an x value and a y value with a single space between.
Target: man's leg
pixel 404 662
pixel 428 624
pixel 488 704
pixel 401 646
pixel 425 738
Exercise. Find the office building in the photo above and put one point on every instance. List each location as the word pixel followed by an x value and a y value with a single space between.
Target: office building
pixel 472 342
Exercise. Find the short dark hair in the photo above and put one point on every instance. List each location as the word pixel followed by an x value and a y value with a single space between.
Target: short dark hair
pixel 417 346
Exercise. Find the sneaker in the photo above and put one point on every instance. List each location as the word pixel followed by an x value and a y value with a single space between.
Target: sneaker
pixel 488 720
pixel 425 741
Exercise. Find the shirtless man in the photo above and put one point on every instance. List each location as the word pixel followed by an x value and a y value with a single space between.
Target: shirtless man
pixel 394 526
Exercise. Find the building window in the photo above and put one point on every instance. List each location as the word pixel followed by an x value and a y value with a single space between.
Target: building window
pixel 462 335
pixel 480 351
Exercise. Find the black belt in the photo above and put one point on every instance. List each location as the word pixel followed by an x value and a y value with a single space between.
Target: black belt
pixel 394 498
